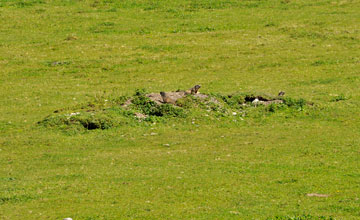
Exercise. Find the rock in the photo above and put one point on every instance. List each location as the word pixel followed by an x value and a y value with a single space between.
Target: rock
pixel 317 195
pixel 140 116
pixel 277 101
pixel 128 102
pixel 156 97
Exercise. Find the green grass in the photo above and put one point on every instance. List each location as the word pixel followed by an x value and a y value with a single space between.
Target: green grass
pixel 60 54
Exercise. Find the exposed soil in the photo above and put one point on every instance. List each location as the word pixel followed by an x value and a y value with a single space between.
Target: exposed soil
pixel 156 97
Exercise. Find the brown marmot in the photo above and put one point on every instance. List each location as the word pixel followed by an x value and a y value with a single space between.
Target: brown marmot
pixel 167 99
pixel 193 90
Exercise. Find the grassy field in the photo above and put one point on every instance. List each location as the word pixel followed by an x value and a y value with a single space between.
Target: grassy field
pixel 58 54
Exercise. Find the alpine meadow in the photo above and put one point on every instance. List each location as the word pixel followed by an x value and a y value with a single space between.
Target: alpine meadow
pixel 180 109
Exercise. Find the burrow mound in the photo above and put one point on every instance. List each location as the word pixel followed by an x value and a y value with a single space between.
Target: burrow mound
pixel 142 107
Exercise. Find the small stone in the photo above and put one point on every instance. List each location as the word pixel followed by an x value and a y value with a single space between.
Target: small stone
pixel 67 219
pixel 317 195
pixel 235 212
pixel 166 145
pixel 139 115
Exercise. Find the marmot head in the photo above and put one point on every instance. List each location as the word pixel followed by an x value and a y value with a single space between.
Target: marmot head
pixel 162 94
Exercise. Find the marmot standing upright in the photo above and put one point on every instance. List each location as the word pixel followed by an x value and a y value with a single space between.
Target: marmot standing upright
pixel 281 93
pixel 193 90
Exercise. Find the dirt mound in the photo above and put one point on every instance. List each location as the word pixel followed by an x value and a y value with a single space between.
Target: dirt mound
pixel 107 112
pixel 156 97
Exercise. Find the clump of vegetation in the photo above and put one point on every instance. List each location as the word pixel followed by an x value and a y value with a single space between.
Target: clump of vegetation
pixel 301 217
pixel 235 100
pixel 295 103
pixel 148 107
pixel 340 97
pixel 142 103
pixel 82 120
pixel 107 112
pixel 189 102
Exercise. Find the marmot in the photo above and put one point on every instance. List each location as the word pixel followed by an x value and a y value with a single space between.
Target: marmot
pixel 281 93
pixel 167 99
pixel 193 90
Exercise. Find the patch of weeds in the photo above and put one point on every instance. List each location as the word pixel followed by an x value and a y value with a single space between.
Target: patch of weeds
pixel 7 178
pixel 325 62
pixel 301 217
pixel 268 65
pixel 151 7
pixel 23 4
pixel 285 2
pixel 105 112
pixel 40 10
pixel 338 98
pixel 204 29
pixel 107 24
pixel 15 199
pixel 211 105
pixel 161 48
pixel 272 108
pixel 142 103
pixel 92 121
pixel 235 100
pixel 188 102
pixel 309 35
pixel 323 81
pixel 295 103
pixel 168 111
pixel 5 125
pixel 139 60
pixel 289 108
pixel 104 27
pixel 148 107
pixel 297 33
pixel 57 63
pixel 286 181
pixel 82 120
pixel 154 119
pixel 144 31
pixel 197 5
pixel 112 10
pixel 120 100
pixel 270 24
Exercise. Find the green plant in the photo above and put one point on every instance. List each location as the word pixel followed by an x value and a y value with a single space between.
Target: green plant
pixel 340 97
pixel 301 217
